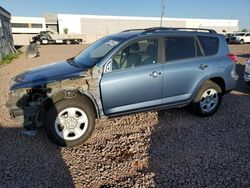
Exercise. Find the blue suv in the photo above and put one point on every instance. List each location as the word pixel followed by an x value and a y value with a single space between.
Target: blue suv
pixel 124 73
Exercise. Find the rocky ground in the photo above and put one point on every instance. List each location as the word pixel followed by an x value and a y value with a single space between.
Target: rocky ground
pixel 167 149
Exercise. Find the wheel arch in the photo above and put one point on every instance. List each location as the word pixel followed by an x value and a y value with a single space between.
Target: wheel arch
pixel 220 81
pixel 71 94
pixel 242 41
pixel 216 79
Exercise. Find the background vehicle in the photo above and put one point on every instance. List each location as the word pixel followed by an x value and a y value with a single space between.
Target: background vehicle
pixel 128 72
pixel 48 37
pixel 247 72
pixel 228 37
pixel 240 38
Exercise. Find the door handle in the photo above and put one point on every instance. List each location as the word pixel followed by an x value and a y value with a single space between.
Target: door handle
pixel 203 66
pixel 155 74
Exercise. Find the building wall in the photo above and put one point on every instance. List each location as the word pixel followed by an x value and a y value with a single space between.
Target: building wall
pixel 6 39
pixel 97 26
pixel 27 25
pixel 218 25
pixel 24 28
pixel 71 22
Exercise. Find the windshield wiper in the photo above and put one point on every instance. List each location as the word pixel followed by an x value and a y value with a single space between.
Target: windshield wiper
pixel 72 62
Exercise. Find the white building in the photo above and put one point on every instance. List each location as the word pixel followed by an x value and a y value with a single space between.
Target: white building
pixel 96 26
pixel 27 25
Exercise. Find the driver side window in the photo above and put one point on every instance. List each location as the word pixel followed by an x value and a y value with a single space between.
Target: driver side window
pixel 139 53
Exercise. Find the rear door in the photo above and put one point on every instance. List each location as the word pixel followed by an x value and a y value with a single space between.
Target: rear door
pixel 135 81
pixel 184 67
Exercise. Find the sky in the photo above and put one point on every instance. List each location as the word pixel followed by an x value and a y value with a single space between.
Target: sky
pixel 207 9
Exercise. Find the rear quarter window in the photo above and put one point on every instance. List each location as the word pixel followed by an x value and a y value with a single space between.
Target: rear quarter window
pixel 210 45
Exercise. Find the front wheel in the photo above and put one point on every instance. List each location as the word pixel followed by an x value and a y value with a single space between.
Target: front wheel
pixel 70 122
pixel 207 99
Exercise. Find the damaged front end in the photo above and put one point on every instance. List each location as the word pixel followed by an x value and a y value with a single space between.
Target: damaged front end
pixel 29 101
pixel 26 106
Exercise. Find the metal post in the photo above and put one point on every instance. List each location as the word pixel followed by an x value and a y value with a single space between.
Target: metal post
pixel 162 11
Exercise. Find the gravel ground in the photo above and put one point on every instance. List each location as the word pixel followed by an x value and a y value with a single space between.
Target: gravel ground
pixel 167 149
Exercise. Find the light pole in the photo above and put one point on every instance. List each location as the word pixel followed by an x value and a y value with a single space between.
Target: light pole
pixel 162 11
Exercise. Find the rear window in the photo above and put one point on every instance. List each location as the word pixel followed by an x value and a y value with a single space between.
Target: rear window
pixel 179 48
pixel 210 45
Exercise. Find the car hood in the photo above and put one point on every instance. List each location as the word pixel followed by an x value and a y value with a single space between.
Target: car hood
pixel 46 74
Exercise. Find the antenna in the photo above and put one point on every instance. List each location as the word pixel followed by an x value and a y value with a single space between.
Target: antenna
pixel 162 11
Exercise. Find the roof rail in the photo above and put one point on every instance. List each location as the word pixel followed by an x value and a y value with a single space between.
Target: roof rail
pixel 198 29
pixel 152 29
pixel 130 30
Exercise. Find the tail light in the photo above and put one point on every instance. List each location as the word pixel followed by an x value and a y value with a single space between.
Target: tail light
pixel 233 57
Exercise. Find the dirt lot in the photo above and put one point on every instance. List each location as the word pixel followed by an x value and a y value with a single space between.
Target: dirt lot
pixel 168 149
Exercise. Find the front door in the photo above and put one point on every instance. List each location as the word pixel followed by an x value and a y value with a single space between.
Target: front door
pixel 135 81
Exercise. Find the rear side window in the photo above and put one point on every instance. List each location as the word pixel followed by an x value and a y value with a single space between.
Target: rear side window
pixel 180 48
pixel 210 45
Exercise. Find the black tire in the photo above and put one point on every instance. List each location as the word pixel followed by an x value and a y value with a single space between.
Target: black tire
pixel 241 41
pixel 68 42
pixel 52 128
pixel 214 93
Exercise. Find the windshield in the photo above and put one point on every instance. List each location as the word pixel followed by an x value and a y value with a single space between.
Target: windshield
pixel 95 52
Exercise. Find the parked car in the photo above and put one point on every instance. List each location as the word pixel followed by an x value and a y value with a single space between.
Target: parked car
pixel 247 72
pixel 228 37
pixel 240 38
pixel 124 73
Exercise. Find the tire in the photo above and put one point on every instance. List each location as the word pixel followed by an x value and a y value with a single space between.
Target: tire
pixel 68 42
pixel 207 99
pixel 70 122
pixel 241 41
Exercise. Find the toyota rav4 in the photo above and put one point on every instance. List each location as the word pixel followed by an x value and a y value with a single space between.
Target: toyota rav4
pixel 124 73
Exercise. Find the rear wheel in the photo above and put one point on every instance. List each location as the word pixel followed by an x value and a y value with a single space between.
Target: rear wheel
pixel 241 41
pixel 70 122
pixel 207 99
